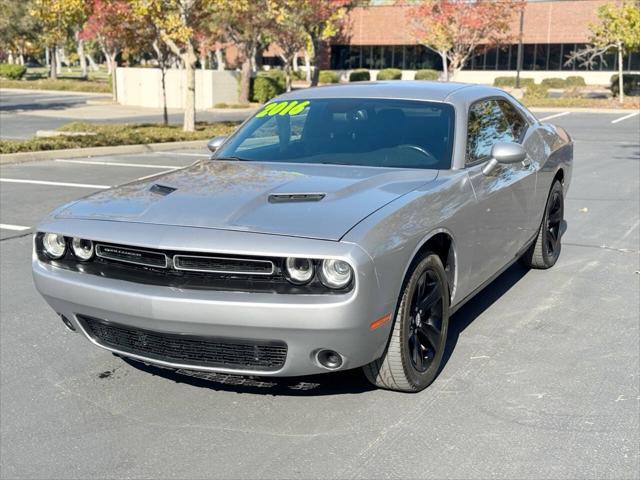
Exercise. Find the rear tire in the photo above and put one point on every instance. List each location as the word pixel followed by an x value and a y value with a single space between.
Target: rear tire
pixel 414 353
pixel 546 249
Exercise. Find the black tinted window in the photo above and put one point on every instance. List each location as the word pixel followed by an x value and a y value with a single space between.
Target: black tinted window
pixel 487 126
pixel 370 132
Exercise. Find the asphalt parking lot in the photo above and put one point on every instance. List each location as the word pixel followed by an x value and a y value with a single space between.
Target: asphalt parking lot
pixel 542 378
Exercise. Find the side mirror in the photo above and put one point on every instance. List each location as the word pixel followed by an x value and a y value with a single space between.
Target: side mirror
pixel 215 143
pixel 504 153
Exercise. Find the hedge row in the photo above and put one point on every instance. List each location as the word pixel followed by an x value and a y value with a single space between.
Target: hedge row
pixel 630 83
pixel 11 71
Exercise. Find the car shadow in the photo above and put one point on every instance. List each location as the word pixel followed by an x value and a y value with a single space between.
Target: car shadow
pixel 479 303
pixel 337 383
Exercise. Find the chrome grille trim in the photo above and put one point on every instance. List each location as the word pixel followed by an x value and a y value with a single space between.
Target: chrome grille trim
pixel 268 263
pixel 100 252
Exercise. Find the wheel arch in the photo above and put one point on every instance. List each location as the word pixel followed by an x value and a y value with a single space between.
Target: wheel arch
pixel 442 243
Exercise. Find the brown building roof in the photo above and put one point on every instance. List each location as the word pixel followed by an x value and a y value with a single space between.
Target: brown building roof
pixel 544 22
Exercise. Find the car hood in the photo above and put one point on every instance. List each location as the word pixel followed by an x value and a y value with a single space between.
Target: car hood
pixel 314 201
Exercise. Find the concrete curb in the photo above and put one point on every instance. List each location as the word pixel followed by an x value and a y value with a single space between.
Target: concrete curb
pixel 66 92
pixel 11 158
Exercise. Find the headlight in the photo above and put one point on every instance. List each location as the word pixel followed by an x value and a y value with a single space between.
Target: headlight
pixel 54 245
pixel 335 273
pixel 82 249
pixel 299 270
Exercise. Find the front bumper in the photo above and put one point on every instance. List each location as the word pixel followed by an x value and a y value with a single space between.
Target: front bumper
pixel 306 323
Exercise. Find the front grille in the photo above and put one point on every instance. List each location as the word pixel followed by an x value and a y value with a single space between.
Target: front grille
pixel 136 256
pixel 238 266
pixel 188 350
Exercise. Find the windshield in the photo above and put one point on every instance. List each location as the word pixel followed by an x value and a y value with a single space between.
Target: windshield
pixel 369 132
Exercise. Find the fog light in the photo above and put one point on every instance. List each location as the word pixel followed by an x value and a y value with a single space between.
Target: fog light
pixel 82 249
pixel 329 359
pixel 54 245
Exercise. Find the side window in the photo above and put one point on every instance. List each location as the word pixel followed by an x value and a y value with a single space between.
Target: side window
pixel 517 124
pixel 487 126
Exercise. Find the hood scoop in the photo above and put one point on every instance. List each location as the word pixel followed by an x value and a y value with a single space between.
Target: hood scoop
pixel 295 197
pixel 161 189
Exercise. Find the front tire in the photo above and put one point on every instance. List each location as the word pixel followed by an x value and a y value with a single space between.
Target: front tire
pixel 545 251
pixel 416 347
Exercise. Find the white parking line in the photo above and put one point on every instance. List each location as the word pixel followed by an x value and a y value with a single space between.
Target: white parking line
pixel 555 115
pixel 55 184
pixel 625 117
pixel 17 228
pixel 183 153
pixel 118 164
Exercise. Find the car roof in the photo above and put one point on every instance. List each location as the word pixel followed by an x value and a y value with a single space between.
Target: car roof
pixel 396 89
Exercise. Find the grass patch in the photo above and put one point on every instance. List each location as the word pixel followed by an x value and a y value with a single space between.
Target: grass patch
pixel 62 84
pixel 237 105
pixel 629 102
pixel 118 134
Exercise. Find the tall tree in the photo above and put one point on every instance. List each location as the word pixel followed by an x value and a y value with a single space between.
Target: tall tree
pixel 618 31
pixel 57 18
pixel 178 21
pixel 18 29
pixel 322 20
pixel 289 34
pixel 247 24
pixel 112 26
pixel 454 29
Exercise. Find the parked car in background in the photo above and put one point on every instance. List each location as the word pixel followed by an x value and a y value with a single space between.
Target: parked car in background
pixel 339 227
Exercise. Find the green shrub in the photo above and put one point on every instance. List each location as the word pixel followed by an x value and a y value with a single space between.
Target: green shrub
pixel 427 75
pixel 360 75
pixel 12 72
pixel 268 84
pixel 389 74
pixel 575 81
pixel 630 82
pixel 554 82
pixel 511 82
pixel 299 75
pixel 329 76
pixel 536 91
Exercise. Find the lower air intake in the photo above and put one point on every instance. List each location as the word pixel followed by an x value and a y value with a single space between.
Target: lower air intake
pixel 188 350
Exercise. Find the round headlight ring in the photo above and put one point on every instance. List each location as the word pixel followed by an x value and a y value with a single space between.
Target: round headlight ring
pixel 54 245
pixel 335 273
pixel 299 270
pixel 82 249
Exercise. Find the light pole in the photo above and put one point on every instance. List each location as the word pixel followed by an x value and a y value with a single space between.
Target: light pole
pixel 519 60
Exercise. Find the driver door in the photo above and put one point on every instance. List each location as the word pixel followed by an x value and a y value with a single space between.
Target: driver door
pixel 500 226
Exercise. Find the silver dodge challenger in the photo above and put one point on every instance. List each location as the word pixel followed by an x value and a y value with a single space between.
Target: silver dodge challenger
pixel 338 227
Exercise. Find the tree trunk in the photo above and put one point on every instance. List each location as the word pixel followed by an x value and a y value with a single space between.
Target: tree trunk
pixel 316 57
pixel 53 71
pixel 165 113
pixel 445 67
pixel 58 60
pixel 307 65
pixel 92 63
pixel 287 73
pixel 620 74
pixel 81 56
pixel 219 59
pixel 245 80
pixel 296 67
pixel 47 59
pixel 190 59
pixel 113 65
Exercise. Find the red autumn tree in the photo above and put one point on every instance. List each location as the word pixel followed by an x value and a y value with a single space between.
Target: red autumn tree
pixel 322 20
pixel 112 25
pixel 454 29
